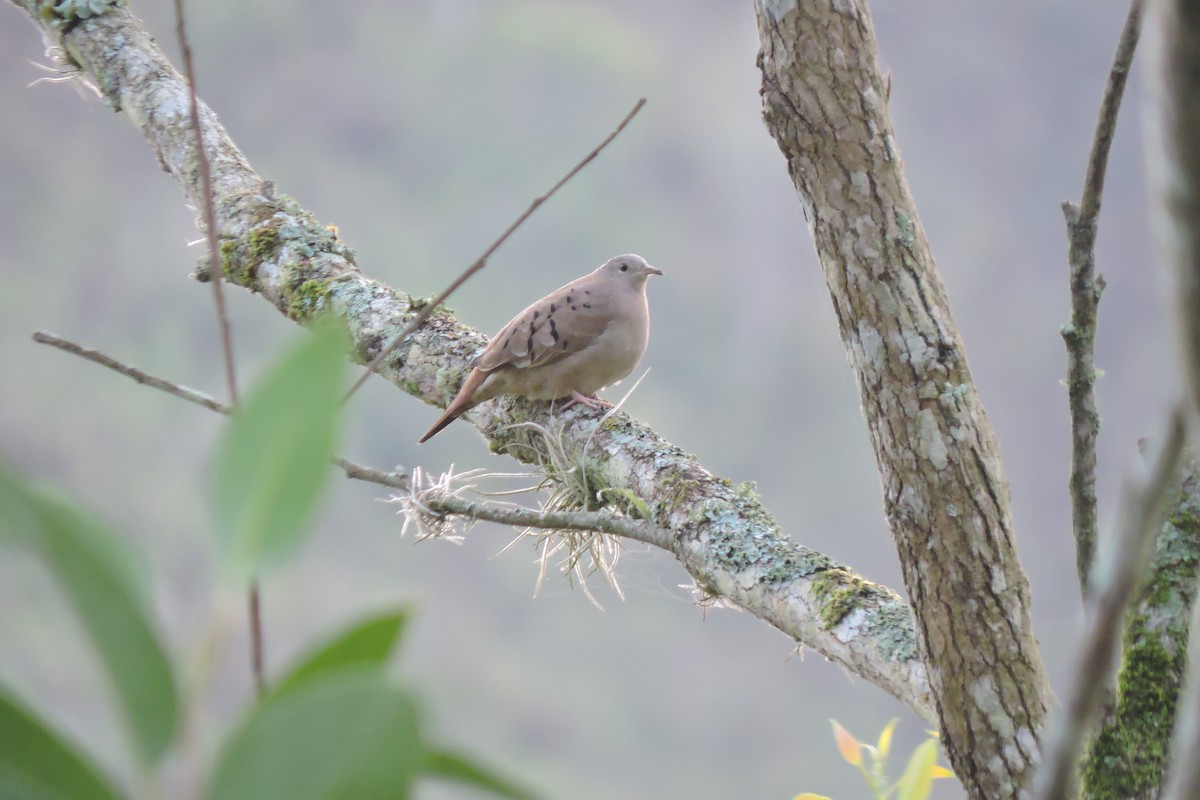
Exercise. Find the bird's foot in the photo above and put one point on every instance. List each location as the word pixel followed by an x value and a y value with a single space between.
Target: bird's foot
pixel 585 400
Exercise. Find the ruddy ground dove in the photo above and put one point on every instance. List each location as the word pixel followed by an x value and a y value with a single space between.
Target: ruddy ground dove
pixel 573 342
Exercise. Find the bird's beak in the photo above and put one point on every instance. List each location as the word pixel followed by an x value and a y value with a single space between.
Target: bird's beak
pixel 653 270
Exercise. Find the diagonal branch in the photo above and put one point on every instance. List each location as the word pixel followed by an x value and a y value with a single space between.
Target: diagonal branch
pixel 1086 288
pixel 1138 521
pixel 1172 125
pixel 269 244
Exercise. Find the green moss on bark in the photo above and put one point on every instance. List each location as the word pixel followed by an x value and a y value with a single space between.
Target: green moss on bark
pixel 1128 758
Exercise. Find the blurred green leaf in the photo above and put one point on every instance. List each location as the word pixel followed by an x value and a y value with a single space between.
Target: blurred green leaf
pixel 444 764
pixel 348 735
pixel 917 780
pixel 18 511
pixel 369 643
pixel 96 572
pixel 35 764
pixel 83 558
pixel 274 457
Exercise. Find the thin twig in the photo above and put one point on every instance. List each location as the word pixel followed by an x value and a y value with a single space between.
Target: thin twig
pixel 214 268
pixel 353 470
pixel 482 260
pixel 601 521
pixel 257 667
pixel 1086 288
pixel 1140 517
pixel 210 213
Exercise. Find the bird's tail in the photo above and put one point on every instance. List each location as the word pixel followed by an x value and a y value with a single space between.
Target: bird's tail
pixel 463 401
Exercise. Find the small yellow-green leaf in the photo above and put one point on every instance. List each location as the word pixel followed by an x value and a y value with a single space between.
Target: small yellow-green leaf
pixel 810 796
pixel 941 772
pixel 885 739
pixel 273 460
pixel 917 780
pixel 847 745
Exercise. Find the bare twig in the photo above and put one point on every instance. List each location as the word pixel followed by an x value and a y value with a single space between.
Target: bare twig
pixel 480 262
pixel 214 268
pixel 1086 288
pixel 394 480
pixel 1116 579
pixel 600 521
pixel 210 214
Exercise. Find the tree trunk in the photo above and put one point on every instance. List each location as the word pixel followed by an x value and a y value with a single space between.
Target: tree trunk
pixel 945 495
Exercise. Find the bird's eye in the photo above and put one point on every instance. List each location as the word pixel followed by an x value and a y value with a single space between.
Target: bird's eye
pixel 624 268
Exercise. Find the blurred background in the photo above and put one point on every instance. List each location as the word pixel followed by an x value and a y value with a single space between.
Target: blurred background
pixel 422 129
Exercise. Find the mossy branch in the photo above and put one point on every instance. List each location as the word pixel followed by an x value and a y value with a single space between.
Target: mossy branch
pixel 273 247
pixel 1129 757
pixel 1115 580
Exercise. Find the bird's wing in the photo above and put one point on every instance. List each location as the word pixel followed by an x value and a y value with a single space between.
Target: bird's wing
pixel 564 322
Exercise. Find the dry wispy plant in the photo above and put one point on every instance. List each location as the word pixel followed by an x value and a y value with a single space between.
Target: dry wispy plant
pixel 563 484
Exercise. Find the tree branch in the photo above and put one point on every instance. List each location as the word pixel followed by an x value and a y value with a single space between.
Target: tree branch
pixel 1086 288
pixel 1128 758
pixel 1115 581
pixel 945 495
pixel 357 471
pixel 1173 124
pixel 272 246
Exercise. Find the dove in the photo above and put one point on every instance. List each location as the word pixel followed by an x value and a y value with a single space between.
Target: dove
pixel 573 342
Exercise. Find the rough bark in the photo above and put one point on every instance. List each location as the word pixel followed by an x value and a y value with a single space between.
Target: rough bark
pixel 270 245
pixel 945 495
pixel 1128 759
pixel 1172 125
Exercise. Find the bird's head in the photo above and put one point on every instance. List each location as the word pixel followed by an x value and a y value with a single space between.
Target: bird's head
pixel 629 269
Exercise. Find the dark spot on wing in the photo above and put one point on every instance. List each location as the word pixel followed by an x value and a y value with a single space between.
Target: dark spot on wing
pixel 564 344
pixel 587 305
pixel 535 313
pixel 529 346
pixel 573 308
pixel 587 291
pixel 553 331
pixel 568 298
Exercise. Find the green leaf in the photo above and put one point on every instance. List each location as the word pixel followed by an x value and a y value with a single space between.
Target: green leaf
pixel 444 764
pixel 97 574
pixel 347 735
pixel 18 511
pixel 35 764
pixel 88 563
pixel 917 780
pixel 367 644
pixel 273 460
